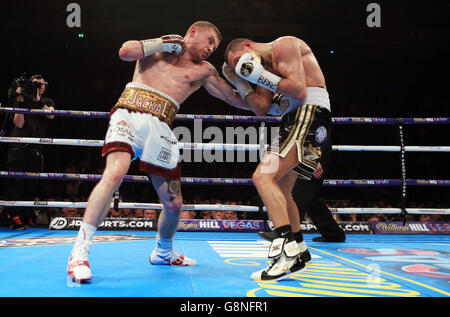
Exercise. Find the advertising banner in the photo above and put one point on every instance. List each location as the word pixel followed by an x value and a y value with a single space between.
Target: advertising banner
pixel 205 225
pixel 347 226
pixel 63 223
pixel 221 225
pixel 411 227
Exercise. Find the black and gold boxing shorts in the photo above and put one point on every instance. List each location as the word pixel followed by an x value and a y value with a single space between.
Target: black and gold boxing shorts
pixel 309 127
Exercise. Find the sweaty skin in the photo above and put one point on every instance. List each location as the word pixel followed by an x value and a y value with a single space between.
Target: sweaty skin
pixel 293 60
pixel 180 76
pixel 288 57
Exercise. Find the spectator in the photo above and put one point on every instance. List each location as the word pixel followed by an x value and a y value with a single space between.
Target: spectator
pixel 435 217
pixel 425 218
pixel 126 213
pixel 150 213
pixel 70 212
pixel 230 215
pixel 139 213
pixel 115 213
pixel 373 218
pixel 41 214
pixel 206 214
pixel 27 157
pixel 218 214
pixel 53 211
pixel 188 214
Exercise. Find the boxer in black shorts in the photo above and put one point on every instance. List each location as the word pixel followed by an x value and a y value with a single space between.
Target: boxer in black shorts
pixel 287 67
pixel 306 191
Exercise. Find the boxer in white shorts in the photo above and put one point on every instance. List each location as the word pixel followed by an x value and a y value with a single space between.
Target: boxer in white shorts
pixel 140 125
pixel 168 70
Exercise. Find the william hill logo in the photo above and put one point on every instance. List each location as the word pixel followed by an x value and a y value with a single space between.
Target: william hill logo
pixel 220 225
pixel 394 227
pixel 209 225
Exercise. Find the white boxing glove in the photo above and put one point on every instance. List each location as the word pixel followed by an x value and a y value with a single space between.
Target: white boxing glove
pixel 250 69
pixel 242 86
pixel 172 43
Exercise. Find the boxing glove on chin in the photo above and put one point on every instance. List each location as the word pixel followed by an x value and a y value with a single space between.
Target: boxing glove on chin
pixel 250 69
pixel 242 86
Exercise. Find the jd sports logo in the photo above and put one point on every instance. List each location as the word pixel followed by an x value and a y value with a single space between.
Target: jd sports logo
pixel 58 223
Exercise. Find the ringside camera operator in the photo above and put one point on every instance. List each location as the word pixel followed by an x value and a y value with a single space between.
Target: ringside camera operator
pixel 27 157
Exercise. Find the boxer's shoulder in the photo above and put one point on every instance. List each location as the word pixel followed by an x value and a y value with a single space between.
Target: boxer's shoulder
pixel 206 69
pixel 209 68
pixel 287 47
pixel 286 40
pixel 286 43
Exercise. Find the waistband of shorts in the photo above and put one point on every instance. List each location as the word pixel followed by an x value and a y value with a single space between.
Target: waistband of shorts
pixel 160 93
pixel 139 97
pixel 317 96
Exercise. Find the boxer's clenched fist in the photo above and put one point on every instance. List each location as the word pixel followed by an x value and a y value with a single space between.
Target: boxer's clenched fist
pixel 229 73
pixel 172 44
pixel 242 86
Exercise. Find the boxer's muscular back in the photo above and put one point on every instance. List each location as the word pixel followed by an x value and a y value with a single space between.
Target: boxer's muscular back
pixel 174 76
pixel 313 73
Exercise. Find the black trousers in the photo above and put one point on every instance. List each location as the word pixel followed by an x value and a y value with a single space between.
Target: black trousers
pixel 306 194
pixel 23 158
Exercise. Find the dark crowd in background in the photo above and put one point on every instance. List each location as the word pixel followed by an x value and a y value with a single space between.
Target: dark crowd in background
pixel 396 70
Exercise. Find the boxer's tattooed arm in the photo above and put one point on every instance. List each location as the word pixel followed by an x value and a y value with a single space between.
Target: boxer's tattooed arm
pixel 173 189
pixel 219 88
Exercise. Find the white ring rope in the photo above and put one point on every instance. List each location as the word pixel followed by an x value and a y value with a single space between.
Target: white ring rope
pixel 214 207
pixel 229 147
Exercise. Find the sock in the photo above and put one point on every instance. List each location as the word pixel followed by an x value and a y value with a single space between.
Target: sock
pixel 298 237
pixel 83 243
pixel 284 232
pixel 303 247
pixel 163 245
pixel 85 233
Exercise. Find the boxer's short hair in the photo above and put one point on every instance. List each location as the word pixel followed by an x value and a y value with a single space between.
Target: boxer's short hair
pixel 207 24
pixel 234 45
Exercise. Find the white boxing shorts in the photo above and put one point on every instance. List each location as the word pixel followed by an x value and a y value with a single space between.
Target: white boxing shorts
pixel 143 134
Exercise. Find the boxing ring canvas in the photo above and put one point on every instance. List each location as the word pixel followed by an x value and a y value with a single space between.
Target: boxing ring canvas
pixel 33 263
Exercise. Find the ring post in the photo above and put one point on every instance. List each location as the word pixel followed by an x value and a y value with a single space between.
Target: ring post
pixel 403 170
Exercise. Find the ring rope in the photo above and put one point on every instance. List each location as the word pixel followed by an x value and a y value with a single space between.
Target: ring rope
pixel 233 118
pixel 228 147
pixel 224 181
pixel 241 147
pixel 214 207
